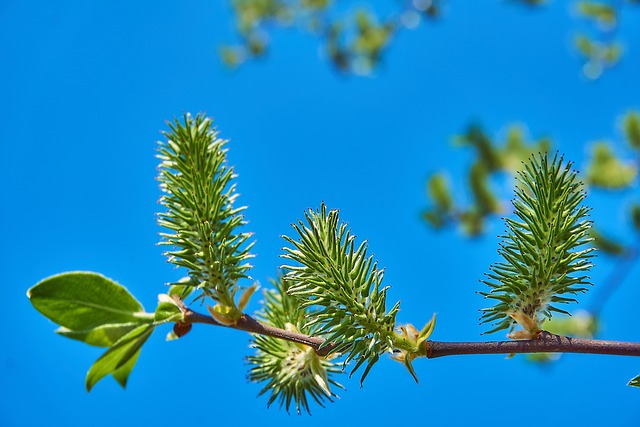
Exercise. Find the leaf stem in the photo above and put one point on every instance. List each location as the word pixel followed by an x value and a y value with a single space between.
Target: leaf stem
pixel 545 343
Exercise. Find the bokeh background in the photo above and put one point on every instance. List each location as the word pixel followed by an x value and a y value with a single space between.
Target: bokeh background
pixel 86 88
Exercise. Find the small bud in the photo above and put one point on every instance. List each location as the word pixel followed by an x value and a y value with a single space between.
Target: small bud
pixel 181 328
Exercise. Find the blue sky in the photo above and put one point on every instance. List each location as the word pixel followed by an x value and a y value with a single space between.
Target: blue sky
pixel 87 87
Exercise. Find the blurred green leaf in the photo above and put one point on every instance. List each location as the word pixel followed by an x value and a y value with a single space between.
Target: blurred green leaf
pixel 581 324
pixel 231 56
pixel 369 41
pixel 606 244
pixel 435 218
pixel 631 128
pixel 635 216
pixel 487 153
pixel 484 198
pixel 610 53
pixel 516 150
pixel 472 222
pixel 585 45
pixel 120 358
pixel 635 382
pixel 316 4
pixel 82 301
pixel 607 171
pixel 603 13
pixel 256 45
pixel 439 192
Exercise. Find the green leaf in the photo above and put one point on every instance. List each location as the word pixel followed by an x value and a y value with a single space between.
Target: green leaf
pixel 601 12
pixel 121 375
pixel 608 171
pixel 120 358
pixel 607 244
pixel 631 128
pixel 472 222
pixel 585 45
pixel 438 190
pixel 483 196
pixel 635 382
pixel 101 336
pixel 635 216
pixel 487 153
pixel 168 310
pixel 581 324
pixel 82 301
pixel 182 288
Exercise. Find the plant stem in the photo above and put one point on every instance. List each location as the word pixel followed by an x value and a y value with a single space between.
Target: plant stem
pixel 249 324
pixel 545 343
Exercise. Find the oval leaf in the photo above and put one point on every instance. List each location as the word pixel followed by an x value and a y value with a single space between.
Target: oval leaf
pixel 81 301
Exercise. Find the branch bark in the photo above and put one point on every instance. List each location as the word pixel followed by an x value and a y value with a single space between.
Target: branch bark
pixel 249 324
pixel 545 343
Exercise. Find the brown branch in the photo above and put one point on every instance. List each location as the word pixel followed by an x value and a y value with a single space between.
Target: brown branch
pixel 545 343
pixel 249 324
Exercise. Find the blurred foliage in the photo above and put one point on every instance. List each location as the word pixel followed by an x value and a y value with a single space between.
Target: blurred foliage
pixel 355 35
pixel 494 161
pixel 580 324
pixel 353 40
pixel 606 170
pixel 631 129
pixel 607 245
pixel 491 161
pixel 635 216
pixel 598 44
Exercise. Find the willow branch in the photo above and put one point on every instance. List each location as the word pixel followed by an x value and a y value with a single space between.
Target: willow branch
pixel 545 343
pixel 249 324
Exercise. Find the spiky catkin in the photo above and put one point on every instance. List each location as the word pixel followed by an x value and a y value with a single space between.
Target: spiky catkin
pixel 337 277
pixel 198 194
pixel 544 251
pixel 291 372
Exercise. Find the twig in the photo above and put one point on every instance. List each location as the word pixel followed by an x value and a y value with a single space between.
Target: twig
pixel 249 324
pixel 545 343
